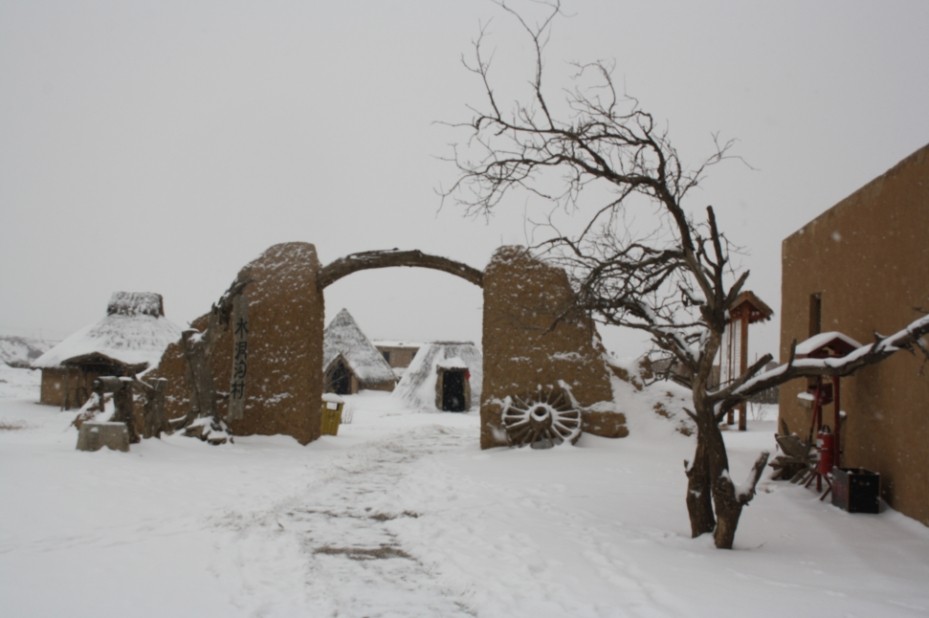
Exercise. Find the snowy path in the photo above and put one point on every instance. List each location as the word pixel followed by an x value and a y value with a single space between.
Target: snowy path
pixel 347 525
pixel 408 524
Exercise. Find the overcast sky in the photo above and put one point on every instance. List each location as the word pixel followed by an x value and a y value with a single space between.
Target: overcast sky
pixel 160 146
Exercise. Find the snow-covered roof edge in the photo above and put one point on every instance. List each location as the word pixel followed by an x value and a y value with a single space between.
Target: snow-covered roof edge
pixel 817 341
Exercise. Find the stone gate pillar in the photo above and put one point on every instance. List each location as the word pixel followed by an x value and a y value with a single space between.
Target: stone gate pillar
pixel 534 336
pixel 281 380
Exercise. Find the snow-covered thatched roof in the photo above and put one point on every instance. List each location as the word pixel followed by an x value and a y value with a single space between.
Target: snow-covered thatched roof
pixel 343 338
pixel 134 332
pixel 417 386
pixel 136 303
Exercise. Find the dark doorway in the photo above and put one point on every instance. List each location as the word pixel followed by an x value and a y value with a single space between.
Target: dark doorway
pixel 453 390
pixel 339 379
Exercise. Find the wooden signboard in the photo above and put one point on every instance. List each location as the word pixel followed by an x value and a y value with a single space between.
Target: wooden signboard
pixel 239 358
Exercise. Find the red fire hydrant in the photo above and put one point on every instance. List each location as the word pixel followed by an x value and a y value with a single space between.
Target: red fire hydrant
pixel 825 444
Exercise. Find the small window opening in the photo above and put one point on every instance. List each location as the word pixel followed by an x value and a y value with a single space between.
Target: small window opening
pixel 816 313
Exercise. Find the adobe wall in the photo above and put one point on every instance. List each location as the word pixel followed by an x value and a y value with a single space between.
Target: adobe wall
pixel 284 348
pixel 869 259
pixel 54 386
pixel 68 388
pixel 400 357
pixel 533 335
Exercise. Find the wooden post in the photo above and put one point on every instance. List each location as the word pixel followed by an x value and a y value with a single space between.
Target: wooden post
pixel 153 413
pixel 201 377
pixel 743 367
pixel 122 400
pixel 838 421
pixel 730 366
pixel 745 309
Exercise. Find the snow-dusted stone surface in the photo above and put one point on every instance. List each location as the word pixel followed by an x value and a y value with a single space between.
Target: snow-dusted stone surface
pixel 93 436
pixel 283 388
pixel 534 337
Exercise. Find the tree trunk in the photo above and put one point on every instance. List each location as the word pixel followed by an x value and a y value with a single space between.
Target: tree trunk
pixel 699 497
pixel 729 502
pixel 700 474
pixel 728 511
pixel 725 504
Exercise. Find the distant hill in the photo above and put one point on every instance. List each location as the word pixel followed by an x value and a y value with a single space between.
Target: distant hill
pixel 21 351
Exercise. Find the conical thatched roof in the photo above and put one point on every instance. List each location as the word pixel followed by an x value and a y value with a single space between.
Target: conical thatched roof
pixel 343 338
pixel 134 332
pixel 419 381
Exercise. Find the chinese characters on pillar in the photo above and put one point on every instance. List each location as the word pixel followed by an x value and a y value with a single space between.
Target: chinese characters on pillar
pixel 239 358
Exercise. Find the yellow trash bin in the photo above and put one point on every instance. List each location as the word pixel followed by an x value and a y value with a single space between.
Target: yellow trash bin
pixel 331 414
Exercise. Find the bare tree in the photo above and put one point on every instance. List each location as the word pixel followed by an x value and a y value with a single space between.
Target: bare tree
pixel 675 282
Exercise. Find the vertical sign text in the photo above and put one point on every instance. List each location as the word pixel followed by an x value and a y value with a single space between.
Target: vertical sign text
pixel 239 358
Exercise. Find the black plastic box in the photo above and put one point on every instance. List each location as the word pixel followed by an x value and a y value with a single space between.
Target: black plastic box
pixel 856 490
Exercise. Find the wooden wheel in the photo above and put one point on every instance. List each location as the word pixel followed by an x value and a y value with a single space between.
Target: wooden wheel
pixel 543 419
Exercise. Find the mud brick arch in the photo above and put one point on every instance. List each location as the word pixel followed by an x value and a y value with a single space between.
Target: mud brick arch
pixel 531 337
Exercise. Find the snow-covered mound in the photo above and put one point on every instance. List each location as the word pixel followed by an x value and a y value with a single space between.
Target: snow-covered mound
pixel 644 400
pixel 22 351
pixel 19 383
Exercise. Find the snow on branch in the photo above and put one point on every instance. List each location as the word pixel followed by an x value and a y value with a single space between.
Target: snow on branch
pixel 746 491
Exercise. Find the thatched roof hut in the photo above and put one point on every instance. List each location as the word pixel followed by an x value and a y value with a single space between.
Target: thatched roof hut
pixel 350 360
pixel 444 375
pixel 129 339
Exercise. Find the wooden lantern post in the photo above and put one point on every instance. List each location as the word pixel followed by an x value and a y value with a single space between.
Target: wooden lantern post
pixel 826 345
pixel 746 309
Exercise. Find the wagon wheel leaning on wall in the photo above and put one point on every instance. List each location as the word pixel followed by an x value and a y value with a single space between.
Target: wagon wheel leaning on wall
pixel 542 419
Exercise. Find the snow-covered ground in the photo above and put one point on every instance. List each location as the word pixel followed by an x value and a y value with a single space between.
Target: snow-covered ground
pixel 21 351
pixel 401 514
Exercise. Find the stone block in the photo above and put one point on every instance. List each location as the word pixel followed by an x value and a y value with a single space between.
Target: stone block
pixel 94 435
pixel 283 383
pixel 535 337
